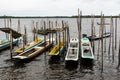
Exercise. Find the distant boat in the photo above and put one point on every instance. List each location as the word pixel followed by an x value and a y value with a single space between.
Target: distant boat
pixel 5 43
pixel 73 50
pixel 30 45
pixel 44 32
pixel 58 49
pixel 86 49
pixel 97 37
pixel 33 52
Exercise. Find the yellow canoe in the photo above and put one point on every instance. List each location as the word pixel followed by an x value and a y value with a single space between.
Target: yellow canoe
pixel 30 45
pixel 57 49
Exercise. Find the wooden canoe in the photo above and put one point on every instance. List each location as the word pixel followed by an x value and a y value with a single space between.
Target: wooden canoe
pixel 58 49
pixel 30 45
pixel 86 49
pixel 33 52
pixel 73 50
pixel 97 37
pixel 5 43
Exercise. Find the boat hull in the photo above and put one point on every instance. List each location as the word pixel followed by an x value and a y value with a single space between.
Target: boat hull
pixel 58 49
pixel 7 45
pixel 73 50
pixel 86 49
pixel 30 45
pixel 32 53
pixel 105 35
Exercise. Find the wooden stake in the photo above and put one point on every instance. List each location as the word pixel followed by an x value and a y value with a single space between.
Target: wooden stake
pixel 63 30
pixel 65 33
pixel 5 27
pixel 115 33
pixel 11 44
pixel 99 43
pixel 49 34
pixel 112 40
pixel 109 51
pixel 102 41
pixel 92 32
pixel 52 33
pixel 56 33
pixel 44 29
pixel 34 31
pixel 105 38
pixel 37 30
pixel 119 56
pixel 59 42
pixel 11 40
pixel 19 29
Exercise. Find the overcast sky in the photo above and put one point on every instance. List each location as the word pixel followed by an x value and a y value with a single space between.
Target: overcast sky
pixel 58 7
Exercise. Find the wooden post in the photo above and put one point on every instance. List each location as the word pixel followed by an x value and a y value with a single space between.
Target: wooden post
pixel 92 32
pixel 104 32
pixel 63 30
pixel 56 33
pixel 11 40
pixel 109 51
pixel 37 30
pixel 24 38
pixel 79 21
pixel 34 29
pixel 5 27
pixel 119 56
pixel 99 42
pixel 25 35
pixel 65 33
pixel 11 44
pixel 8 23
pixel 19 29
pixel 68 34
pixel 102 41
pixel 94 41
pixel 115 33
pixel 44 29
pixel 59 41
pixel 49 34
pixel 52 33
pixel 112 40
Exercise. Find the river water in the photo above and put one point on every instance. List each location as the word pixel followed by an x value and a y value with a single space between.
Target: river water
pixel 42 68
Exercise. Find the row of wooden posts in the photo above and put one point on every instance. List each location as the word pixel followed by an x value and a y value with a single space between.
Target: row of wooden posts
pixel 102 29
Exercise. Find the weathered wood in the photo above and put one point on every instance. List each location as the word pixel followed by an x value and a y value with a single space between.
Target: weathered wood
pixel 5 27
pixel 18 27
pixel 92 32
pixel 119 56
pixel 44 29
pixel 99 43
pixel 36 30
pixel 109 49
pixel 102 43
pixel 49 28
pixel 52 32
pixel 112 39
pixel 115 33
pixel 63 30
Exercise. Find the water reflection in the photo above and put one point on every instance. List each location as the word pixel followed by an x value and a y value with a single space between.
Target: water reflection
pixel 86 64
pixel 71 65
pixel 54 60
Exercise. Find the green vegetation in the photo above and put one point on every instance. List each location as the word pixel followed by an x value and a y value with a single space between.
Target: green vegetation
pixel 84 16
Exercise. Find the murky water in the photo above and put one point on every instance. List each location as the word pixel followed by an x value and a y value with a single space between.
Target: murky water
pixel 43 68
